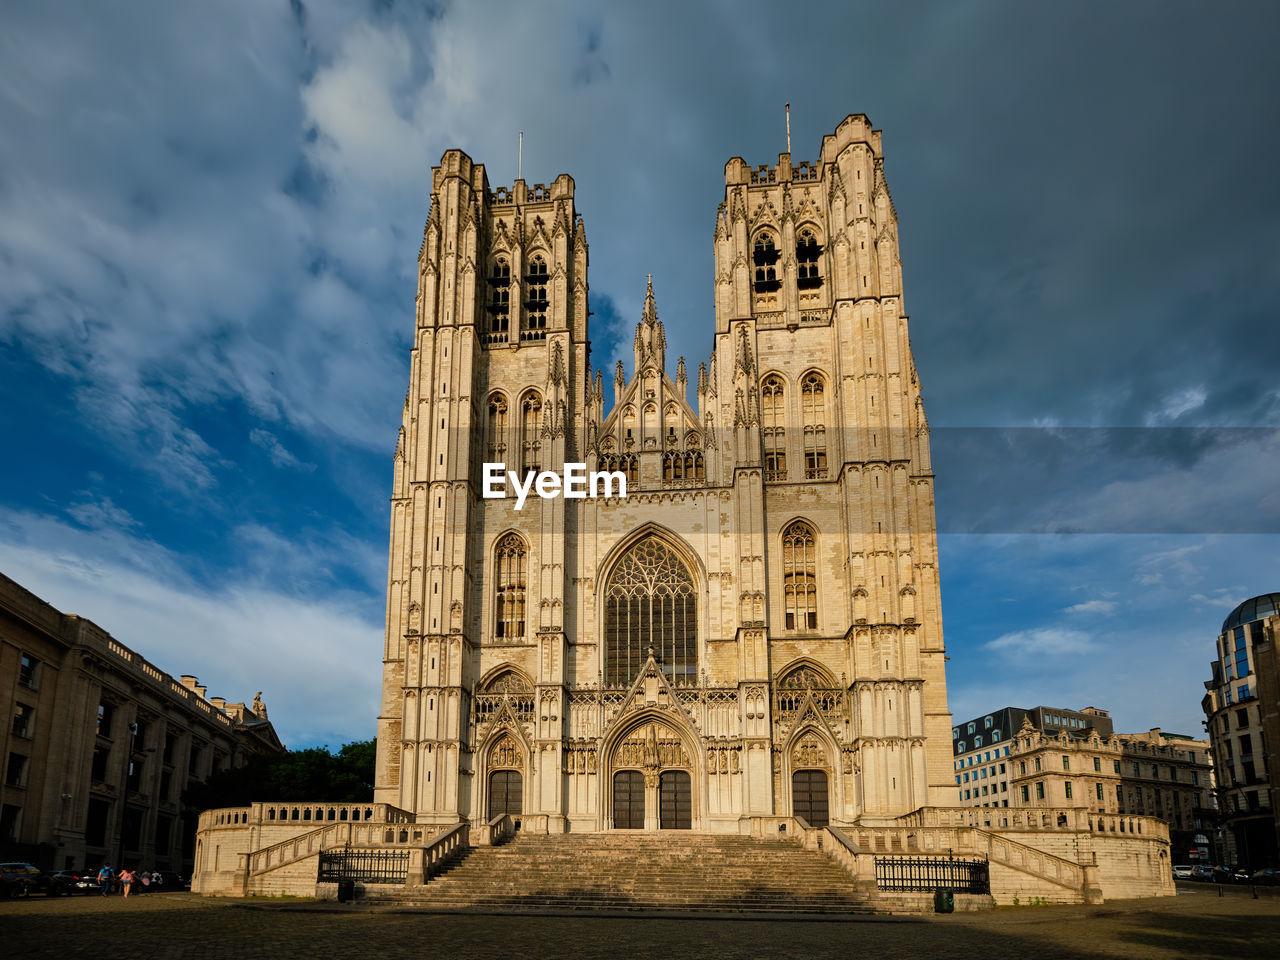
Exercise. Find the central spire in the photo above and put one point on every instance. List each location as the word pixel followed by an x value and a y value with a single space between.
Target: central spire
pixel 650 309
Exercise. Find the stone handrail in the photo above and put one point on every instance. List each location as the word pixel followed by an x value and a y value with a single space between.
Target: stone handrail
pixel 442 848
pixel 853 859
pixel 970 841
pixel 1046 866
pixel 498 830
pixel 262 813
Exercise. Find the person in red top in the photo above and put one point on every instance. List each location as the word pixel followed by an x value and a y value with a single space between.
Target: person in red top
pixel 126 878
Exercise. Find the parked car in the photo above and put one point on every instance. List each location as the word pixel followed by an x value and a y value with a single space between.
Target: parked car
pixel 1266 875
pixel 171 881
pixel 1202 871
pixel 1182 871
pixel 22 880
pixel 77 881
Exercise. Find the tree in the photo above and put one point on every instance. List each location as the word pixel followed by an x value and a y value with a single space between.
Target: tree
pixel 294 776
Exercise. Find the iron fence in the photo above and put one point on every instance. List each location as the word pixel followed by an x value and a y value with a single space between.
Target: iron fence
pixel 364 866
pixel 926 874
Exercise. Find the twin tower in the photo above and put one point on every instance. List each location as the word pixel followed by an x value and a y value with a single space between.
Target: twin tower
pixel 754 630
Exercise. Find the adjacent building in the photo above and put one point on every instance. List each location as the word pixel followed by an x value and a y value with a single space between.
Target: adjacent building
pixel 101 743
pixel 1059 757
pixel 1266 653
pixel 1233 717
pixel 981 747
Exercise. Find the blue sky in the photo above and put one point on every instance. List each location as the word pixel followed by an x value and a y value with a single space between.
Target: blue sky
pixel 210 214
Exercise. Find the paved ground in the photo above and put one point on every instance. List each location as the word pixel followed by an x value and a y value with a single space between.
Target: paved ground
pixel 1195 924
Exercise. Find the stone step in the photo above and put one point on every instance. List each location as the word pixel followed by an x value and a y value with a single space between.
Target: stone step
pixel 637 872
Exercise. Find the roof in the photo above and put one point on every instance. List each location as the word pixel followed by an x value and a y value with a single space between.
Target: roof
pixel 1267 605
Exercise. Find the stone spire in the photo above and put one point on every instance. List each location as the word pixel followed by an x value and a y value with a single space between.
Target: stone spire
pixel 651 338
pixel 650 316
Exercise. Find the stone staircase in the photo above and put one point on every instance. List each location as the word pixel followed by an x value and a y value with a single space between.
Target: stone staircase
pixel 669 871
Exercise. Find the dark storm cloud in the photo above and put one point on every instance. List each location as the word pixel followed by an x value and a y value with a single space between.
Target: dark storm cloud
pixel 210 213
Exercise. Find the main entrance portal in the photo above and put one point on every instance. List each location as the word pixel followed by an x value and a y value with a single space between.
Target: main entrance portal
pixel 675 801
pixel 628 800
pixel 506 788
pixel 809 796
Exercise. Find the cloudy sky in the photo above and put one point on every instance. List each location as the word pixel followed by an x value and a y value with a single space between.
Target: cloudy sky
pixel 210 215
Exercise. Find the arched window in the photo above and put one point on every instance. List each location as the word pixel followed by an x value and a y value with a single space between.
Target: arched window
pixel 499 300
pixel 630 465
pixel 497 435
pixel 773 417
pixel 808 251
pixel 813 415
pixel 650 606
pixel 693 468
pixel 535 300
pixel 799 577
pixel 764 256
pixel 530 442
pixel 509 580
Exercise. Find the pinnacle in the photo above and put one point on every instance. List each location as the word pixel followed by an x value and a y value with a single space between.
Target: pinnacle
pixel 650 309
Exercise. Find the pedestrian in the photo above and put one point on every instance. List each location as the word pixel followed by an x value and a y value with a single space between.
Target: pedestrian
pixel 104 879
pixel 126 879
pixel 145 880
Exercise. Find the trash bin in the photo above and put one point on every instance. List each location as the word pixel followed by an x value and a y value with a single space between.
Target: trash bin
pixel 346 891
pixel 944 901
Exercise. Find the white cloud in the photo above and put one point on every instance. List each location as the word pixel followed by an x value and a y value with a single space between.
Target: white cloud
pixel 1175 404
pixel 1043 641
pixel 280 457
pixel 314 657
pixel 1092 606
pixel 100 513
pixel 1153 568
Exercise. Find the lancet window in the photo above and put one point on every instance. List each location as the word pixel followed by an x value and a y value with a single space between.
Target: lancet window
pixel 535 301
pixel 650 607
pixel 764 256
pixel 499 300
pixel 530 432
pixel 813 417
pixel 773 417
pixel 799 577
pixel 808 252
pixel 497 430
pixel 509 579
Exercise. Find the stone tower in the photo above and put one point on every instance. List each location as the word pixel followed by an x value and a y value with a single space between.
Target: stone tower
pixel 755 630
pixel 502 299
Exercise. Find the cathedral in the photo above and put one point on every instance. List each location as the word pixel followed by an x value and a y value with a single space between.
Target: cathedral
pixel 753 628
pixel 712 608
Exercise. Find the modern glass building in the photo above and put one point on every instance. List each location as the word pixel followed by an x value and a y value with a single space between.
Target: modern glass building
pixel 1233 720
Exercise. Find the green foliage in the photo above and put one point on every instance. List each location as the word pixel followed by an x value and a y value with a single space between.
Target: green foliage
pixel 314 775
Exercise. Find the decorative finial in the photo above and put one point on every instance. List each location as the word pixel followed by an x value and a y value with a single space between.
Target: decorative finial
pixel 650 310
pixel 788 128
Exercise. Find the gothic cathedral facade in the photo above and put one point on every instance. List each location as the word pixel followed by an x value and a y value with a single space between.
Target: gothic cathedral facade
pixel 754 630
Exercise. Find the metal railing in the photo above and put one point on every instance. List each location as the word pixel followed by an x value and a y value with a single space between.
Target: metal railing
pixel 926 874
pixel 364 866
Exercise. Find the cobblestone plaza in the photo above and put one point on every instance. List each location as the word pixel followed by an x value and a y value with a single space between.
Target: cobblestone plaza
pixel 1196 923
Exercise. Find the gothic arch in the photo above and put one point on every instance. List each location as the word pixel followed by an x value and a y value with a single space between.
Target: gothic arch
pixel 810 745
pixel 497 671
pixel 652 604
pixel 670 721
pixel 502 594
pixel 672 540
pixel 806 663
pixel 505 747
